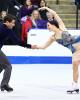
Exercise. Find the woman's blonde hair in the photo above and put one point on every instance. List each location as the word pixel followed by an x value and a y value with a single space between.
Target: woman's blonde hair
pixel 32 15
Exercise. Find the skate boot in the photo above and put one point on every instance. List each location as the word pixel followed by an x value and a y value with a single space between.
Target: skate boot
pixel 74 88
pixel 7 88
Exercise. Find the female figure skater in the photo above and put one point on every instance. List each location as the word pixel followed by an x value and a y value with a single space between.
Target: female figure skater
pixel 72 42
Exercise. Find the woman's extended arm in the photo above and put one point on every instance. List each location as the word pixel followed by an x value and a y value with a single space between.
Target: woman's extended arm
pixel 48 43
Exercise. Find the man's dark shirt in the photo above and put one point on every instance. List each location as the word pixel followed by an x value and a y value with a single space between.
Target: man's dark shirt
pixel 6 34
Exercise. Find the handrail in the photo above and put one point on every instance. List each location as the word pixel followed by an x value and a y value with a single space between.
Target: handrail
pixel 77 12
pixel 57 2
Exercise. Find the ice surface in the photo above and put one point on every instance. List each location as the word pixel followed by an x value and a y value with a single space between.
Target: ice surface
pixel 40 82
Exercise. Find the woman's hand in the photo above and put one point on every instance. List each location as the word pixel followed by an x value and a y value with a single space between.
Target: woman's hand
pixel 37 47
pixel 40 47
pixel 34 47
pixel 48 9
pixel 42 8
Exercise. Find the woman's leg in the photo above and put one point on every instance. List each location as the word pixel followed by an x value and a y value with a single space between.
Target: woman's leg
pixel 75 62
pixel 75 71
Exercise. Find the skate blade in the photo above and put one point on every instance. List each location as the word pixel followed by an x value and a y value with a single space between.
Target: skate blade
pixel 73 91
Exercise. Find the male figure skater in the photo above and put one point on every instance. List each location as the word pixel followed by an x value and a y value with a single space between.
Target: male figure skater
pixel 6 33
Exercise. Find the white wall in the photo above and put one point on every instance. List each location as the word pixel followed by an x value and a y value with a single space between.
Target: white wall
pixel 39 37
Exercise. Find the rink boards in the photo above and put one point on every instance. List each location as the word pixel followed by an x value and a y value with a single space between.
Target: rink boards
pixel 54 54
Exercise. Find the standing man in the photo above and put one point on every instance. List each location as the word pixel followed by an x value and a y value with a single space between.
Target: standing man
pixel 4 5
pixel 6 33
pixel 11 6
pixel 14 7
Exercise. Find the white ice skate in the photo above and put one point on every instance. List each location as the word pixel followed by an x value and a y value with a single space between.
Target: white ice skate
pixel 74 88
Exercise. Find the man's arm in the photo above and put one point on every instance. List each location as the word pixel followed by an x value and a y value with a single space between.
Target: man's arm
pixel 17 41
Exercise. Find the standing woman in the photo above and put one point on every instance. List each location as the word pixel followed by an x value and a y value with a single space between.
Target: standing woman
pixel 27 8
pixel 73 43
pixel 43 11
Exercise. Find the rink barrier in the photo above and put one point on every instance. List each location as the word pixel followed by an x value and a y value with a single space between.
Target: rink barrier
pixel 39 60
pixel 55 54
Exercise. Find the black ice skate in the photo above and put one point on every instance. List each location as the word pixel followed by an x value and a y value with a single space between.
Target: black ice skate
pixel 7 88
pixel 73 91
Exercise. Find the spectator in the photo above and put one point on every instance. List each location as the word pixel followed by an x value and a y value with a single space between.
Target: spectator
pixel 43 12
pixel 26 26
pixel 21 2
pixel 2 15
pixel 36 2
pixel 11 6
pixel 37 21
pixel 35 16
pixel 27 9
pixel 50 16
pixel 14 7
pixel 34 21
pixel 4 5
pixel 18 27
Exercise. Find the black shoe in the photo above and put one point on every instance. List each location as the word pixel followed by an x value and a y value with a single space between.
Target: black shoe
pixel 72 91
pixel 7 88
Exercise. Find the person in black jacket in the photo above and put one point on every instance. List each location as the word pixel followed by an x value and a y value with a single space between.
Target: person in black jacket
pixel 35 2
pixel 77 2
pixel 11 6
pixel 21 2
pixel 4 5
pixel 14 7
pixel 6 33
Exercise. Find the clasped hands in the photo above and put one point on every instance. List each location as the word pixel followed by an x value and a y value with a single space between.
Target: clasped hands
pixel 36 47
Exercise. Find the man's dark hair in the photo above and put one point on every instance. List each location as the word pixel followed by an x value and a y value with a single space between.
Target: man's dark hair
pixel 9 18
pixel 54 22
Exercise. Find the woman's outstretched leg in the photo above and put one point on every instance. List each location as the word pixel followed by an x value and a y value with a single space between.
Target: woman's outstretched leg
pixel 75 87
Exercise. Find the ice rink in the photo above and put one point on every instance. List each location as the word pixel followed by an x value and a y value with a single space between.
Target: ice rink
pixel 48 81
pixel 40 82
